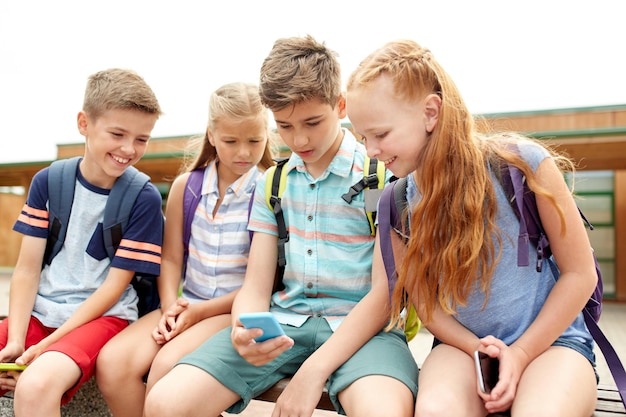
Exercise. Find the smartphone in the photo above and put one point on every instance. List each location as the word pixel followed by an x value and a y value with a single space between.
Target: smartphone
pixel 487 369
pixel 6 366
pixel 264 321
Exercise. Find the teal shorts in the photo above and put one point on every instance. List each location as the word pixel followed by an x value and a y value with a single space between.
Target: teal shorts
pixel 387 353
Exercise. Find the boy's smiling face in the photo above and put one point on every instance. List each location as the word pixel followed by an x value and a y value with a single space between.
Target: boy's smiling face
pixel 113 142
pixel 312 130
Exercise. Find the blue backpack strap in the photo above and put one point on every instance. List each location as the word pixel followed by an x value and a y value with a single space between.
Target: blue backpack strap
pixel 61 185
pixel 191 198
pixel 119 206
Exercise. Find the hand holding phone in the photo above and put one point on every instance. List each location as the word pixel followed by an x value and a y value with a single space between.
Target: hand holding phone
pixel 9 366
pixel 487 369
pixel 264 321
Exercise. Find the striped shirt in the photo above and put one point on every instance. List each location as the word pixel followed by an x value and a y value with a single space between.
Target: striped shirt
pixel 329 252
pixel 82 264
pixel 219 245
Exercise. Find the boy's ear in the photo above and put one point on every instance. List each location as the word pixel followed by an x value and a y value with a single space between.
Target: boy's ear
pixel 82 121
pixel 432 107
pixel 341 106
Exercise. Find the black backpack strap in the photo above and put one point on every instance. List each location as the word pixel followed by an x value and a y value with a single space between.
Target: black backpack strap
pixel 283 233
pixel 61 186
pixel 119 206
pixel 369 180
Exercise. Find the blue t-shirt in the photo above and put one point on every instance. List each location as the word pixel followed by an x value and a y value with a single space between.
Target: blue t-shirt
pixel 82 264
pixel 517 293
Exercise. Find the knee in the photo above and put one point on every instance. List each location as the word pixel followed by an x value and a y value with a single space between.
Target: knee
pixel 35 388
pixel 163 363
pixel 116 365
pixel 431 407
pixel 157 405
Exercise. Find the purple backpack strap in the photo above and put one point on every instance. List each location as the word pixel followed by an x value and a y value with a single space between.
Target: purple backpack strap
pixel 615 364
pixel 191 198
pixel 392 197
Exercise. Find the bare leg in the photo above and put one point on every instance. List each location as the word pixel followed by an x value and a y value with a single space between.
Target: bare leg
pixel 40 387
pixel 447 385
pixel 188 391
pixel 122 364
pixel 560 382
pixel 183 344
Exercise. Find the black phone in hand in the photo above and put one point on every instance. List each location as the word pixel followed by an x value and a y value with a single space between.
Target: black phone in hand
pixel 487 369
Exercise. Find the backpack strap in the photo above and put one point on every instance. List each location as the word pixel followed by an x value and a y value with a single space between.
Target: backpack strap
pixel 612 359
pixel 276 181
pixel 391 205
pixel 191 198
pixel 524 204
pixel 119 206
pixel 61 185
pixel 373 171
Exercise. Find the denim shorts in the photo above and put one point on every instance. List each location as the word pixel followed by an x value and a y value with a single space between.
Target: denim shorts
pixel 585 349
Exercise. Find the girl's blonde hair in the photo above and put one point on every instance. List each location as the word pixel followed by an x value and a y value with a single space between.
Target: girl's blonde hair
pixel 455 242
pixel 234 101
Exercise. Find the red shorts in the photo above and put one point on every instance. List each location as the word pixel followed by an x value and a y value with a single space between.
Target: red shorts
pixel 82 344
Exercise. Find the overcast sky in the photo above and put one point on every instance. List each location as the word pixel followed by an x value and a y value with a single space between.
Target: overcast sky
pixel 504 55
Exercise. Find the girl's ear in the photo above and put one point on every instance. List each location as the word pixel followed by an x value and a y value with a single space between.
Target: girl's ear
pixel 432 107
pixel 209 136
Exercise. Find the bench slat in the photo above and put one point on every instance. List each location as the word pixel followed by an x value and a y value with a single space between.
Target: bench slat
pixel 609 401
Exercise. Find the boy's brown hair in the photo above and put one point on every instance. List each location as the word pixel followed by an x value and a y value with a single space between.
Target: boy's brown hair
pixel 117 88
pixel 298 69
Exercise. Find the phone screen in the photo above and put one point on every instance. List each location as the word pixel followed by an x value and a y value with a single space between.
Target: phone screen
pixel 487 371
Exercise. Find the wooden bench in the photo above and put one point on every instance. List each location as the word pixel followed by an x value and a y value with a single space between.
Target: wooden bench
pixel 609 402
pixel 88 402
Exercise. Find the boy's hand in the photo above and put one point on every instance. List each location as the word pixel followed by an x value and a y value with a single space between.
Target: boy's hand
pixel 301 395
pixel 8 380
pixel 254 352
pixel 31 353
pixel 10 352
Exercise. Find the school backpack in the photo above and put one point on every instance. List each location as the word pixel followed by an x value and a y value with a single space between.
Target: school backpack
pixel 373 180
pixel 393 203
pixel 61 184
pixel 191 198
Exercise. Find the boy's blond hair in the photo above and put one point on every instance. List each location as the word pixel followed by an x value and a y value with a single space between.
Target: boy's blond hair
pixel 299 69
pixel 117 88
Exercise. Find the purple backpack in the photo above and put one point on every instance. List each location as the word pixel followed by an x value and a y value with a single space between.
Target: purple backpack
pixel 393 202
pixel 191 198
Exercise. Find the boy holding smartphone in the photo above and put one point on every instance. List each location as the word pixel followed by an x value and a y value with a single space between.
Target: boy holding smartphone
pixel 332 312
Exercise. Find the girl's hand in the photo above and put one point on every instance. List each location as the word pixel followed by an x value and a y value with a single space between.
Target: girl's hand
pixel 258 353
pixel 513 361
pixel 163 332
